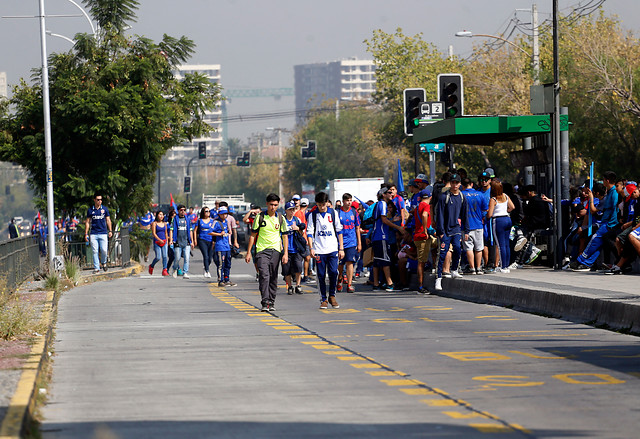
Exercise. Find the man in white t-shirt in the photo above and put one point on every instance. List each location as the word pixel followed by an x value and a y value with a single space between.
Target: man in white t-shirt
pixel 324 233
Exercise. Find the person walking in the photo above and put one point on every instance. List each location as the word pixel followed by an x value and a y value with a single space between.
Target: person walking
pixel 222 250
pixel 203 239
pixel 350 221
pixel 13 229
pixel 451 223
pixel 97 230
pixel 499 207
pixel 292 270
pixel 160 232
pixel 269 234
pixel 180 238
pixel 324 234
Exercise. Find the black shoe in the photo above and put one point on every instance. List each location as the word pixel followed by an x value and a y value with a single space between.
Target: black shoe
pixel 265 308
pixel 614 270
pixel 576 266
pixel 272 307
pixel 290 291
pixel 298 290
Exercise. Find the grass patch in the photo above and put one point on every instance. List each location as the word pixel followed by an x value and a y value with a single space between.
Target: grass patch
pixel 17 316
pixel 72 269
pixel 52 282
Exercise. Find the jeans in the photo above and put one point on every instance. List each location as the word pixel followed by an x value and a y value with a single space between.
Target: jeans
pixel 327 264
pixel 182 251
pixel 591 253
pixel 445 242
pixel 206 248
pixel 99 245
pixel 161 252
pixel 502 228
pixel 223 262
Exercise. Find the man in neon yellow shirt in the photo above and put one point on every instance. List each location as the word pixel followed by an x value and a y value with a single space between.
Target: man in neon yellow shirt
pixel 269 234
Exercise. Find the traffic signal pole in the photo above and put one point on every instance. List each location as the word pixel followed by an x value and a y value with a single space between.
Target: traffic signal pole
pixel 557 160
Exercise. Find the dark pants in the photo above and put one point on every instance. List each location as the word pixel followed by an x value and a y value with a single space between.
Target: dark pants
pixel 206 248
pixel 267 263
pixel 445 242
pixel 327 265
pixel 223 262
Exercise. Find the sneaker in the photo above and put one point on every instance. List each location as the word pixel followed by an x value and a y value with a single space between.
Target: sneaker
pixel 165 272
pixel 376 288
pixel 290 291
pixel 422 290
pixel 333 302
pixel 576 266
pixel 535 252
pixel 339 287
pixel 104 266
pixel 220 284
pixel 614 270
pixel 207 274
pixel 265 308
pixel 490 270
pixel 174 273
pixel 257 277
pixel 351 289
pixel 479 271
pixel 150 269
pixel 503 270
pixel 469 270
pixel 185 275
pixel 456 275
pixel 513 266
pixel 96 271
pixel 391 287
pixel 298 290
pixel 324 305
pixel 180 273
pixel 230 284
pixel 310 280
pixel 520 243
pixel 446 275
pixel 438 286
pixel 272 307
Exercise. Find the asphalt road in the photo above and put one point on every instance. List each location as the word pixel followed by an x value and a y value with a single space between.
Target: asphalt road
pixel 173 358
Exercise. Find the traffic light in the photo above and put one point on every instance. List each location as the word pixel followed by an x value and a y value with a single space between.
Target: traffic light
pixel 451 92
pixel 202 150
pixel 187 185
pixel 411 99
pixel 309 152
pixel 446 157
pixel 245 160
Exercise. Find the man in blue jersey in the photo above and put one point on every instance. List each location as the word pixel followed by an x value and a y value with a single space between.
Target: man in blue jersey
pixel 451 224
pixel 350 221
pixel 609 221
pixel 380 236
pixel 180 239
pixel 477 206
pixel 489 251
pixel 98 222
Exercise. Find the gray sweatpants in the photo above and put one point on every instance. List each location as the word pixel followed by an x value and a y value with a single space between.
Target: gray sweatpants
pixel 267 262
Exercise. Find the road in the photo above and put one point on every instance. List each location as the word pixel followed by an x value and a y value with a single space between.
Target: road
pixel 152 357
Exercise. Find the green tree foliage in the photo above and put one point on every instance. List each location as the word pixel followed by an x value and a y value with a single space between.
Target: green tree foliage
pixel 116 108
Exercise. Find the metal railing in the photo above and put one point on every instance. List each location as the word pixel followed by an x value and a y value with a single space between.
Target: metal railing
pixel 73 245
pixel 19 259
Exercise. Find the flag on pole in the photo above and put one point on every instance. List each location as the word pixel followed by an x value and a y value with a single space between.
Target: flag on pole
pixel 173 203
pixel 399 181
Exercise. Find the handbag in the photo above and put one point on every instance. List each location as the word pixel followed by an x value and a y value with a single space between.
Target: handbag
pixel 367 257
pixel 161 243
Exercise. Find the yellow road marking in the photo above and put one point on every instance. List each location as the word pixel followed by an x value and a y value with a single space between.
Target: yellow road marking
pixel 404 382
pixel 604 378
pixel 340 322
pixel 365 366
pixel 337 352
pixel 315 342
pixel 294 332
pixel 339 311
pixel 442 402
pixel 426 319
pixel 350 358
pixel 475 356
pixel 392 320
pixel 394 309
pixel 305 336
pixel 385 373
pixel 418 391
pixel 542 357
pixel 471 415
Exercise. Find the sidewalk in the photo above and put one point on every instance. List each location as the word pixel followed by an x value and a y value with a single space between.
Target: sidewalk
pixel 609 301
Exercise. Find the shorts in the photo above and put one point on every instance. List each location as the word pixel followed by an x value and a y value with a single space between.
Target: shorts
pixel 635 233
pixel 293 265
pixel 475 241
pixel 424 248
pixel 381 253
pixel 350 255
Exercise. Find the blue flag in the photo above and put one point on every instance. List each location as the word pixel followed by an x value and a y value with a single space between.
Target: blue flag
pixel 399 182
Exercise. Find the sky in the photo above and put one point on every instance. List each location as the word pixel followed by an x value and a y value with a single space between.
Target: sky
pixel 257 42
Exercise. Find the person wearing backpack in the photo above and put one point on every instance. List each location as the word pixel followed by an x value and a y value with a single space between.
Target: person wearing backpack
pixel 269 234
pixel 380 240
pixel 324 233
pixel 292 269
pixel 451 223
pixel 351 238
pixel 222 248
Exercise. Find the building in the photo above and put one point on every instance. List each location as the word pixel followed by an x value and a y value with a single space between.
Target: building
pixel 3 85
pixel 346 80
pixel 188 150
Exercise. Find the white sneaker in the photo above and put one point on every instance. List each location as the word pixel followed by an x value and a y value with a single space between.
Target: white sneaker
pixel 513 266
pixel 438 284
pixel 185 276
pixel 174 273
pixel 207 274
pixel 456 275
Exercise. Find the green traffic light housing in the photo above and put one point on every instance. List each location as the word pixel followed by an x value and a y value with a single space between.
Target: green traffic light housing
pixel 451 92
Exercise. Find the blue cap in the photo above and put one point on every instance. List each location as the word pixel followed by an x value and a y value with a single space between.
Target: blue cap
pixel 231 209
pixel 290 205
pixel 426 192
pixel 222 210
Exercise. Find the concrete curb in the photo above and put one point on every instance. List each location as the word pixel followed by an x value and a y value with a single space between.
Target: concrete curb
pixel 619 314
pixel 21 408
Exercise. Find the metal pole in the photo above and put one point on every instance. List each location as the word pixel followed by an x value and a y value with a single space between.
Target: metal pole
pixel 416 158
pixel 557 176
pixel 47 136
pixel 536 45
pixel 432 167
pixel 564 153
pixel 528 170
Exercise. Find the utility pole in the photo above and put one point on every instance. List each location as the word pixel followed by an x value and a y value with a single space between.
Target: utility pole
pixel 557 160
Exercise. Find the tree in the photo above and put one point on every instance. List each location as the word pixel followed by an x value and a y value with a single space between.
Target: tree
pixel 116 108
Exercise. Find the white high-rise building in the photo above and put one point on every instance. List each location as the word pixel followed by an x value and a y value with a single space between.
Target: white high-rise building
pixel 346 80
pixel 3 85
pixel 188 150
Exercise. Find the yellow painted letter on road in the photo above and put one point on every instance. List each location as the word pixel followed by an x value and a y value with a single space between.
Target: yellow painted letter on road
pixel 475 356
pixel 592 379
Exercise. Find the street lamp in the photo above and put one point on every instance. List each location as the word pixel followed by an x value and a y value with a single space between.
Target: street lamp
pixel 60 36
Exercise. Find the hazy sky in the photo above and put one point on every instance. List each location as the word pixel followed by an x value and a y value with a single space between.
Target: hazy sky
pixel 257 42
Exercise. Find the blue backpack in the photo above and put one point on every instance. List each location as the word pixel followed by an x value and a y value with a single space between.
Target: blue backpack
pixel 368 220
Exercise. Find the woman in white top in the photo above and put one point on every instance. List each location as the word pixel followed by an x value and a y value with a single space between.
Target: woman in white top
pixel 499 207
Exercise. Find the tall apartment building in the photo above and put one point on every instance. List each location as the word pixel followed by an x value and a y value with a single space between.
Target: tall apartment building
pixel 3 84
pixel 346 80
pixel 214 142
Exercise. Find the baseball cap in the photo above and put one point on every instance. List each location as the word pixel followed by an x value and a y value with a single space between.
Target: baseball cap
pixel 491 172
pixel 254 206
pixel 421 177
pixel 231 209
pixel 382 191
pixel 455 177
pixel 295 197
pixel 222 210
pixel 304 201
pixel 628 190
pixel 413 184
pixel 426 192
pixel 485 175
pixel 290 205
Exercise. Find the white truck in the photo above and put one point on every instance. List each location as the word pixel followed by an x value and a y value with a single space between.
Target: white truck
pixel 364 189
pixel 237 201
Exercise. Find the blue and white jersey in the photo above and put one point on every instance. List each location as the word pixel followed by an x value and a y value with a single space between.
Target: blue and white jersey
pixel 325 231
pixel 350 220
pixel 98 220
pixel 222 242
pixel 380 229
